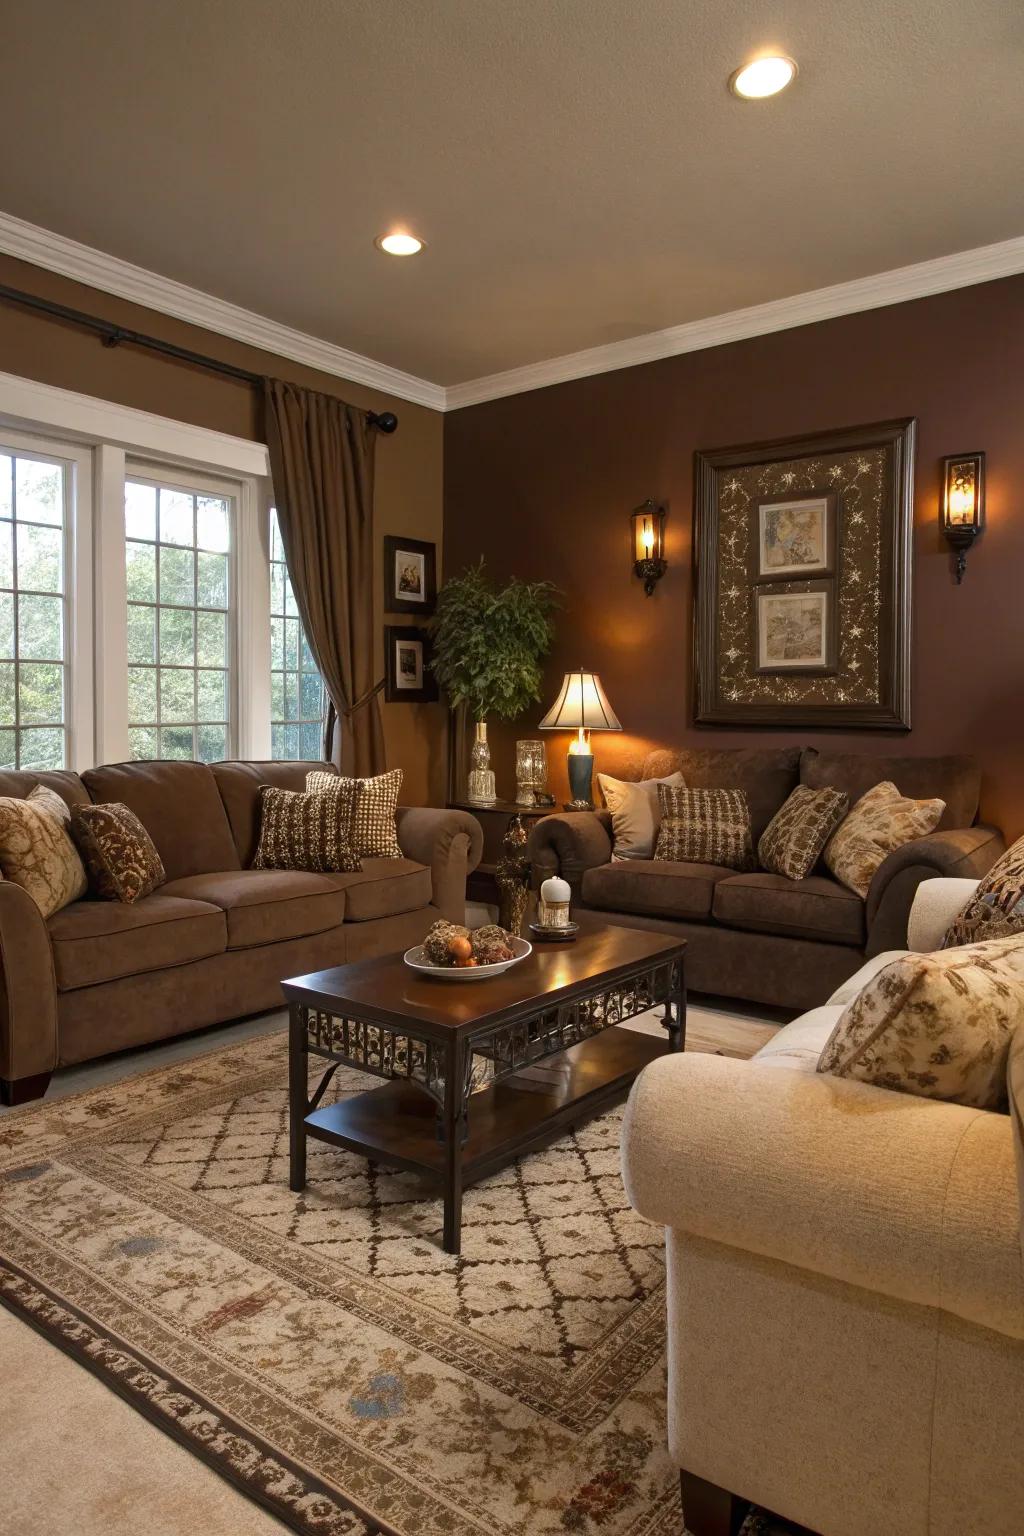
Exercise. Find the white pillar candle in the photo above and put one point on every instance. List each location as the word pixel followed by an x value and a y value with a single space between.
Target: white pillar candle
pixel 554 902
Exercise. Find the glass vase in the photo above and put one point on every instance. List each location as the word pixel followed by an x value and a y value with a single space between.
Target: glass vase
pixel 481 789
pixel 531 771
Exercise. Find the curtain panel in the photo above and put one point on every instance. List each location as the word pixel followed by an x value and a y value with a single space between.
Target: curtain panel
pixel 321 459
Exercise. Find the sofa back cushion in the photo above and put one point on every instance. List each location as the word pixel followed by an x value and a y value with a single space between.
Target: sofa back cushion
pixel 956 780
pixel 180 807
pixel 17 785
pixel 239 787
pixel 766 775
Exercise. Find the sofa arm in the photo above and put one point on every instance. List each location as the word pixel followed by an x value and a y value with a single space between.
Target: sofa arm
pixel 451 843
pixel 28 988
pixel 967 853
pixel 570 844
pixel 906 1196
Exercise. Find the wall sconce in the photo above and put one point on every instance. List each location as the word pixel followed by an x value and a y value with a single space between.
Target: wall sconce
pixel 648 525
pixel 963 503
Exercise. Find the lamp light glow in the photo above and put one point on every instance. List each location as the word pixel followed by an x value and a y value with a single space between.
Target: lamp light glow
pixel 582 706
pixel 399 244
pixel 963 503
pixel 763 77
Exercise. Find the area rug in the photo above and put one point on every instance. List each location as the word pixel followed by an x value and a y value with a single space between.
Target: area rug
pixel 320 1350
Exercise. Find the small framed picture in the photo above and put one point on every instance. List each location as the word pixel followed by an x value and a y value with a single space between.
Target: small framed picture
pixel 796 536
pixel 407 675
pixel 796 631
pixel 410 579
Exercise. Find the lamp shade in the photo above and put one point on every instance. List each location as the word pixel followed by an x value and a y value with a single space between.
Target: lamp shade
pixel 581 703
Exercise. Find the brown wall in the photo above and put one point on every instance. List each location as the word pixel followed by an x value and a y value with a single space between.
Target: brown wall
pixel 409 464
pixel 542 485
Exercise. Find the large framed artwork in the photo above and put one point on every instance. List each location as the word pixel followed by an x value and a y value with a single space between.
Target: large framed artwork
pixel 802 557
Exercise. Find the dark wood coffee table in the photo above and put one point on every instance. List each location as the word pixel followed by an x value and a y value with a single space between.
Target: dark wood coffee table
pixel 434 1040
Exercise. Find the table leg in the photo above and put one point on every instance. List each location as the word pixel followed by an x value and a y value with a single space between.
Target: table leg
pixel 454 1117
pixel 675 1015
pixel 298 1074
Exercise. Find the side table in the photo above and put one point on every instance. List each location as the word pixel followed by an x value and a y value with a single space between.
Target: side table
pixel 494 820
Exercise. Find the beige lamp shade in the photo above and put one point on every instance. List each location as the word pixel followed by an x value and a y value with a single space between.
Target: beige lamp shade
pixel 581 703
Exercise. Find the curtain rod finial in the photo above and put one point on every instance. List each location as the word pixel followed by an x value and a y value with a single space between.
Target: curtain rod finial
pixel 384 421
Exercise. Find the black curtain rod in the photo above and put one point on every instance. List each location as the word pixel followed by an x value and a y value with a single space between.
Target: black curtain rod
pixel 113 335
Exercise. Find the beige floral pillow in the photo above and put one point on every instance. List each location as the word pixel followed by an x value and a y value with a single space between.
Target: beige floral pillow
pixel 881 820
pixel 792 841
pixel 36 851
pixel 935 1025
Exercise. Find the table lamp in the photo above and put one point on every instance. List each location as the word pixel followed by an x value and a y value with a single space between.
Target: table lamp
pixel 582 706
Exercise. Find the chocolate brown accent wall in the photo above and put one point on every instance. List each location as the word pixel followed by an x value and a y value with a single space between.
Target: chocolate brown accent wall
pixel 542 485
pixel 409 464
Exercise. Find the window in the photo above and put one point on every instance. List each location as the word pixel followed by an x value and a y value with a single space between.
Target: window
pixel 34 505
pixel 178 582
pixel 297 700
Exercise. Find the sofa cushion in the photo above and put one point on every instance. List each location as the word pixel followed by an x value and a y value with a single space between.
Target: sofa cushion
pixel 384 888
pixel 881 821
pixel 239 787
pixel 36 850
pixel 956 780
pixel 374 831
pixel 300 831
pixel 635 813
pixel 765 774
pixel 704 826
pixel 653 887
pixel 180 807
pixel 995 908
pixel 96 941
pixel 793 840
pixel 19 784
pixel 119 853
pixel 815 908
pixel 264 906
pixel 799 1045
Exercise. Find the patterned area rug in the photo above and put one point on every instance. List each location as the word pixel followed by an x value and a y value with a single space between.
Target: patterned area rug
pixel 320 1350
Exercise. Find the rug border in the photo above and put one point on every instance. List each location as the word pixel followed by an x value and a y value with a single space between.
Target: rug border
pixel 141 1404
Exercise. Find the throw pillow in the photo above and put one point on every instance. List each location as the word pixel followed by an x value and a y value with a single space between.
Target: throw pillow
pixel 792 842
pixel 36 851
pixel 881 820
pixel 307 831
pixel 635 813
pixel 935 1025
pixel 374 833
pixel 996 909
pixel 705 826
pixel 119 853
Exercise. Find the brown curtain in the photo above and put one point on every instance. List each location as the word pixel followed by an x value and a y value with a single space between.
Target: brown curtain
pixel 321 459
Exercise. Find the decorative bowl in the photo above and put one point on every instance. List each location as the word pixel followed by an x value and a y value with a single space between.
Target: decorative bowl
pixel 417 961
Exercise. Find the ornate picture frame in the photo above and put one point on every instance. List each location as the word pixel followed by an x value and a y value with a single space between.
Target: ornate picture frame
pixel 826 518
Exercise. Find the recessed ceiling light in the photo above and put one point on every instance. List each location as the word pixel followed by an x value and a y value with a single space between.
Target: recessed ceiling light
pixel 399 244
pixel 764 77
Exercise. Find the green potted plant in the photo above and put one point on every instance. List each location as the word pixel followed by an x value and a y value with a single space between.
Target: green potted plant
pixel 488 645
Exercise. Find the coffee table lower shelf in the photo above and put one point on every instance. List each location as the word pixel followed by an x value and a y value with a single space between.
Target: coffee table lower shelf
pixel 397 1123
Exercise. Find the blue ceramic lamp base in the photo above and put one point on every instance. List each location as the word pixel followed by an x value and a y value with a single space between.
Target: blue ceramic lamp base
pixel 581 781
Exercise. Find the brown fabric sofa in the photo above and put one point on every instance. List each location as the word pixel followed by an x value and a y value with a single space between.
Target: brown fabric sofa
pixel 760 936
pixel 217 939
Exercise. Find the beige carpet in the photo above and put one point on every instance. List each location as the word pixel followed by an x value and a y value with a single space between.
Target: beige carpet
pixel 162 1207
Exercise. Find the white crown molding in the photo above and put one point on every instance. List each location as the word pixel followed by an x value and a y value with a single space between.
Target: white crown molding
pixel 71 259
pixel 941 275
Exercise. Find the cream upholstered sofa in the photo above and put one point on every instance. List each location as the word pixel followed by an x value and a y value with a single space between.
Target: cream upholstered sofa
pixel 845 1284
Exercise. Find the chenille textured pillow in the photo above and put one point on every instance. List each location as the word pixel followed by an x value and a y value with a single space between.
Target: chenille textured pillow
pixel 118 852
pixel 704 826
pixel 36 851
pixel 881 820
pixel 792 842
pixel 307 831
pixel 374 833
pixel 996 908
pixel 935 1025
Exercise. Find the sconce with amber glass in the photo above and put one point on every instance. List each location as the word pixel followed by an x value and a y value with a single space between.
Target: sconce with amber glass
pixel 963 503
pixel 648 528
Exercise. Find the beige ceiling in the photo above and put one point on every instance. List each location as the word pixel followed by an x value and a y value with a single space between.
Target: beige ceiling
pixel 577 166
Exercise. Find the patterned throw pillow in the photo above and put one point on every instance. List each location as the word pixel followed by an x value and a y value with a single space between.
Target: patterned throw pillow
pixel 374 833
pixel 36 851
pixel 705 826
pixel 119 853
pixel 635 813
pixel 307 831
pixel 881 820
pixel 996 908
pixel 935 1025
pixel 792 842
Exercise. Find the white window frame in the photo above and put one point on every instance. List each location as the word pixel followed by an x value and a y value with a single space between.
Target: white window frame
pixel 106 443
pixel 79 734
